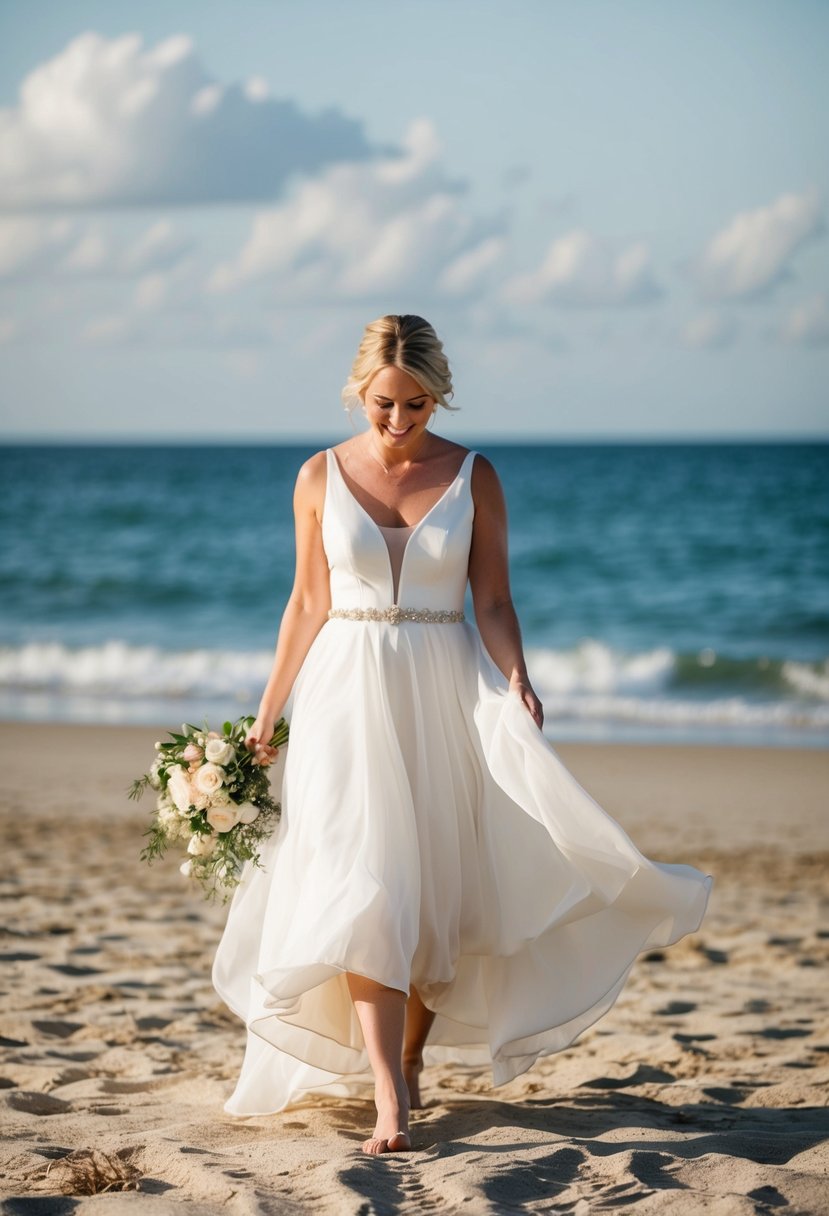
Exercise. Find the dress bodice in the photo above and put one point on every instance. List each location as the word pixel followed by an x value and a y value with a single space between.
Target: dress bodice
pixel 396 541
pixel 433 565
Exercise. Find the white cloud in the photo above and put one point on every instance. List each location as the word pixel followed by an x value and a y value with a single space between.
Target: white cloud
pixel 709 329
pixel 580 270
pixel 256 88
pixel 808 323
pixel 396 224
pixel 29 245
pixel 108 122
pixel 752 254
pixel 159 247
pixel 89 255
pixel 32 247
pixel 468 271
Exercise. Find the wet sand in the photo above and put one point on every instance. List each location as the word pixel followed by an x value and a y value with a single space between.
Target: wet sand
pixel 704 1089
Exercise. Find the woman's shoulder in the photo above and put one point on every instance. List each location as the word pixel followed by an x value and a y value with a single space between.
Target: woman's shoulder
pixel 310 479
pixel 484 483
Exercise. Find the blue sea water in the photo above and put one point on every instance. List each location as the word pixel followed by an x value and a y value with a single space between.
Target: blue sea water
pixel 666 591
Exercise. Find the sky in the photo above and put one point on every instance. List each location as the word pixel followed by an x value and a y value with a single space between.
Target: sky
pixel 613 213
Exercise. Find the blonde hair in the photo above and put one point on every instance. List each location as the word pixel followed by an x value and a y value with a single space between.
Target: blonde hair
pixel 407 342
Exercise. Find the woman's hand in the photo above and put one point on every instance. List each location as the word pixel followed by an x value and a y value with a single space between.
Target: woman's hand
pixel 258 741
pixel 524 688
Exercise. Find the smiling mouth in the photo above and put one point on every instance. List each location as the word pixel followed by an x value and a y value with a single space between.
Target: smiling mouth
pixel 392 431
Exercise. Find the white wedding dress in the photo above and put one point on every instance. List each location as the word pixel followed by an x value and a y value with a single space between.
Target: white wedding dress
pixel 430 835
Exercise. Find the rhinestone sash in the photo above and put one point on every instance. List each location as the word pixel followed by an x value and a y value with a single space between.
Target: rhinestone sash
pixel 395 614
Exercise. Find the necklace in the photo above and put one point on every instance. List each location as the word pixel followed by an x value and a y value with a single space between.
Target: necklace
pixel 386 469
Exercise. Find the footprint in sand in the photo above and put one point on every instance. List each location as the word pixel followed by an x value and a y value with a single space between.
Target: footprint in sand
pixel 36 1103
pixel 652 1169
pixel 72 969
pixel 674 1008
pixel 713 955
pixel 783 1032
pixel 644 1075
pixel 152 1023
pixel 57 1029
pixel 112 1085
pixel 725 1094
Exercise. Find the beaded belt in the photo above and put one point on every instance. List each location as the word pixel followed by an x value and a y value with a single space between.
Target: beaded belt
pixel 395 614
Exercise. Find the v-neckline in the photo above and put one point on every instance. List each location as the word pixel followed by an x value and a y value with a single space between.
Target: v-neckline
pixel 411 528
pixel 423 519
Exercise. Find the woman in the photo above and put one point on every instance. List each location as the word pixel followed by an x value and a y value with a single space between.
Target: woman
pixel 437 871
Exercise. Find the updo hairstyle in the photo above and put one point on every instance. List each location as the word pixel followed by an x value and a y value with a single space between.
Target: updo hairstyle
pixel 407 342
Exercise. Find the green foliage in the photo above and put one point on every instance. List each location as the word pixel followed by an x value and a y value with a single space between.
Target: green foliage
pixel 219 871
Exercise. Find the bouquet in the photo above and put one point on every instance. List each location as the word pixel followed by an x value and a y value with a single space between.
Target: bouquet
pixel 213 796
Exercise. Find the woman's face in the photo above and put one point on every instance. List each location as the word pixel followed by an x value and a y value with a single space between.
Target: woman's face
pixel 398 409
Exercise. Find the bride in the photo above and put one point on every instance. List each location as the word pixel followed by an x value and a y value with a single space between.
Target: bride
pixel 436 871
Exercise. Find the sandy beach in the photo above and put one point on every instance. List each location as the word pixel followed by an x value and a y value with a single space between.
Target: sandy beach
pixel 704 1089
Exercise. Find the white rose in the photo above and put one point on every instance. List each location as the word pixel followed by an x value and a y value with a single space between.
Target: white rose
pixel 248 812
pixel 219 751
pixel 186 868
pixel 179 789
pixel 223 818
pixel 208 778
pixel 201 846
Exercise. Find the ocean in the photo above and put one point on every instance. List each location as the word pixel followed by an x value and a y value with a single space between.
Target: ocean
pixel 666 591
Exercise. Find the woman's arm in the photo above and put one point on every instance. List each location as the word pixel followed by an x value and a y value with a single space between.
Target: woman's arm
pixel 489 580
pixel 307 608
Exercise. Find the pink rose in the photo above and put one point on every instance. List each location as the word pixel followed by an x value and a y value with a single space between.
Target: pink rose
pixel 223 818
pixel 192 752
pixel 208 778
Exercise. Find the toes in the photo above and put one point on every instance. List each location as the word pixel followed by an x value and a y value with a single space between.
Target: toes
pixel 403 1142
pixel 399 1142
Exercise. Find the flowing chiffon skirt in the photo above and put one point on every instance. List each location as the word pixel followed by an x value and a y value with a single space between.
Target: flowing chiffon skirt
pixel 430 836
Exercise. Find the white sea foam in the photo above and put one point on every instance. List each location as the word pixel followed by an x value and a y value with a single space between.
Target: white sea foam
pixel 116 668
pixel 594 667
pixel 804 678
pixel 591 683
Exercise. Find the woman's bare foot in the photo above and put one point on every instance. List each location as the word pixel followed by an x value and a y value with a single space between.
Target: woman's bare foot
pixel 400 1142
pixel 391 1131
pixel 411 1071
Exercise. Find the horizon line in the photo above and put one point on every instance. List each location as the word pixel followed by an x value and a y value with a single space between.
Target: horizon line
pixel 498 439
